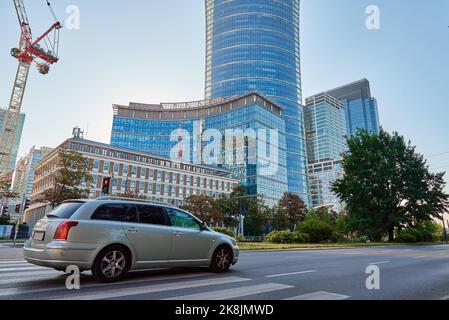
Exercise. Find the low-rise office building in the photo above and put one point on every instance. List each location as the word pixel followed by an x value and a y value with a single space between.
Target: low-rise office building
pixel 131 172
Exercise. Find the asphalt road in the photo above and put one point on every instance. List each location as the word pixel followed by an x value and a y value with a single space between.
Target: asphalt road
pixel 406 272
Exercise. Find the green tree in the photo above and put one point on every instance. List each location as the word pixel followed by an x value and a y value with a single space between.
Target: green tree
pixel 72 179
pixel 295 208
pixel 388 185
pixel 278 218
pixel 232 205
pixel 205 208
pixel 257 216
pixel 318 227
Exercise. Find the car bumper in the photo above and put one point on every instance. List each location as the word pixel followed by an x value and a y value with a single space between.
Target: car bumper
pixel 60 255
pixel 236 251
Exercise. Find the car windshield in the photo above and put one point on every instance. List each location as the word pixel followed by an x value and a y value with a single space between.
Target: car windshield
pixel 65 210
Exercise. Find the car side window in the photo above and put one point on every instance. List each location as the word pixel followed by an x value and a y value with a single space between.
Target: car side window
pixel 115 212
pixel 151 215
pixel 182 220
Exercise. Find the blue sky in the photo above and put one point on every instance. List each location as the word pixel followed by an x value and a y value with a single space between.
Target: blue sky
pixel 153 51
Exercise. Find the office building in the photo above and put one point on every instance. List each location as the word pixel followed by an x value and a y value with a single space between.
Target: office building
pixel 361 107
pixel 186 131
pixel 253 45
pixel 13 153
pixel 131 172
pixel 326 142
pixel 24 172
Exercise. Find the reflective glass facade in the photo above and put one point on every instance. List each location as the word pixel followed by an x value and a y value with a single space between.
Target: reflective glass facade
pixel 325 128
pixel 12 159
pixel 326 141
pixel 152 132
pixel 253 45
pixel 361 107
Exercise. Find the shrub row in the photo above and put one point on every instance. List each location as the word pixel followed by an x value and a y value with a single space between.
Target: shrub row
pixel 224 231
pixel 287 237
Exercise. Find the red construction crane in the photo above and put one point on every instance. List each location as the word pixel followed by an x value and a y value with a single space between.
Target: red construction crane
pixel 29 51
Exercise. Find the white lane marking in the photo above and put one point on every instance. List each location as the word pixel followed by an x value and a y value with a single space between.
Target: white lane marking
pixel 320 295
pixel 297 257
pixel 29 268
pixel 380 262
pixel 420 257
pixel 153 288
pixel 13 275
pixel 234 292
pixel 351 253
pixel 17 290
pixel 290 274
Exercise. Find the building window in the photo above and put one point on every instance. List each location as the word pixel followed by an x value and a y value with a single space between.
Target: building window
pixel 96 164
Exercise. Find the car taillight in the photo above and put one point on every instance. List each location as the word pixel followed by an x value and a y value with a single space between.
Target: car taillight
pixel 63 229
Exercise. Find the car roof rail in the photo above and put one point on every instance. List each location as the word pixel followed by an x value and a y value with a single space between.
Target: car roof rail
pixel 134 200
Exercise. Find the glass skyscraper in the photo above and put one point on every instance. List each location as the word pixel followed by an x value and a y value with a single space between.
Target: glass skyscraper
pixel 325 125
pixel 180 131
pixel 253 45
pixel 361 107
pixel 13 157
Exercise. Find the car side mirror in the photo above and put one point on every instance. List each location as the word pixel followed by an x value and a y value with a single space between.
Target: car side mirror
pixel 204 226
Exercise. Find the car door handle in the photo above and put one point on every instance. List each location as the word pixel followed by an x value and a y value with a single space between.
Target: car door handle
pixel 134 230
pixel 178 233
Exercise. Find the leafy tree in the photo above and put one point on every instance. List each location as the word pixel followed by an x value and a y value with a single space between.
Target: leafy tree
pixel 72 179
pixel 232 205
pixel 257 215
pixel 205 208
pixel 278 218
pixel 317 227
pixel 388 185
pixel 295 208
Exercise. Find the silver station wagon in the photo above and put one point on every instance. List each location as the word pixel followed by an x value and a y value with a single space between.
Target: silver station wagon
pixel 112 236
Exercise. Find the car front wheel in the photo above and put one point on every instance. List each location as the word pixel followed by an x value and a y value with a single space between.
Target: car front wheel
pixel 221 259
pixel 111 264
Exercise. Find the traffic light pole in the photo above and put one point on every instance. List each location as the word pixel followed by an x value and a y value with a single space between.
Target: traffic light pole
pixel 22 208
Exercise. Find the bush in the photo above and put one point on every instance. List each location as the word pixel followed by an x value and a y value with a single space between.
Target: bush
pixel 280 237
pixel 225 231
pixel 319 230
pixel 337 237
pixel 299 237
pixel 407 236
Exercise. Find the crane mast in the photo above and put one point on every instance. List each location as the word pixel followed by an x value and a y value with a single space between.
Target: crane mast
pixel 27 52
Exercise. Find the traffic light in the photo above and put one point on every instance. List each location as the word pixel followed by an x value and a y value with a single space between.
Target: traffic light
pixel 106 185
pixel 18 208
pixel 26 204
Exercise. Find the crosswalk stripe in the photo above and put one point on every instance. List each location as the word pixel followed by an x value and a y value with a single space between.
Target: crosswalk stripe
pixel 290 273
pixel 320 295
pixel 234 292
pixel 18 290
pixel 16 265
pixel 13 275
pixel 29 268
pixel 154 288
pixel 12 261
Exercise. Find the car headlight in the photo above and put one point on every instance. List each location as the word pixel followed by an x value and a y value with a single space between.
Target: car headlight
pixel 233 241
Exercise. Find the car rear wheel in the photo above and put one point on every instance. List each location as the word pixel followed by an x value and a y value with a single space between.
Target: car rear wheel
pixel 111 264
pixel 221 259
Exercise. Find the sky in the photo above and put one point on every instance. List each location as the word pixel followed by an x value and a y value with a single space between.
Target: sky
pixel 153 51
